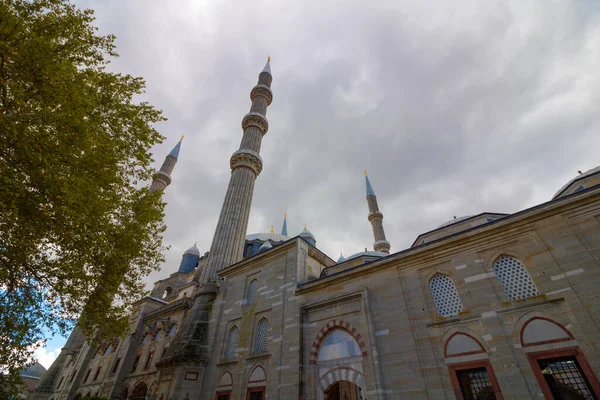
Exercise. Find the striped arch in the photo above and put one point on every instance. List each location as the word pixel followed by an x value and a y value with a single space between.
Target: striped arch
pixel 331 325
pixel 341 374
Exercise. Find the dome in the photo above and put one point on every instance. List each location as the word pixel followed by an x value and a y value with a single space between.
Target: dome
pixel 263 237
pixel 193 251
pixel 306 234
pixel 368 254
pixel 341 259
pixel 454 221
pixel 34 371
pixel 578 177
pixel 265 246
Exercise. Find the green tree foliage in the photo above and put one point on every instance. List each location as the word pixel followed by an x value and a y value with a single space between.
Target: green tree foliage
pixel 78 227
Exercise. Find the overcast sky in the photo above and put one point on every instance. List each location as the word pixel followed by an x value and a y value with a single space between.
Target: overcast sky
pixel 453 107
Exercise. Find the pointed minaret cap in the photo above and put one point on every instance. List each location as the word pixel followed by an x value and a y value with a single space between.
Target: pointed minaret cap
pixel 370 191
pixel 284 227
pixel 267 67
pixel 175 152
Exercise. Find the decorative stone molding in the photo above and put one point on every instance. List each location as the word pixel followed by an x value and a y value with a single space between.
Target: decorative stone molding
pixel 162 177
pixel 341 374
pixel 257 120
pixel 375 215
pixel 264 91
pixel 245 158
pixel 382 245
pixel 331 325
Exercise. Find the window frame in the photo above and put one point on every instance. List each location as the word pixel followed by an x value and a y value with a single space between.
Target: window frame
pixel 437 311
pixel 255 344
pixel 225 348
pixel 454 368
pixel 504 291
pixel 247 297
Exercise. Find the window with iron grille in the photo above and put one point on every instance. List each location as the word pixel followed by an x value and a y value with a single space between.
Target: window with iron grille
pixel 565 378
pixel 446 299
pixel 223 396
pixel 514 279
pixel 97 373
pixel 87 375
pixel 252 292
pixel 114 370
pixel 475 384
pixel 232 341
pixel 262 333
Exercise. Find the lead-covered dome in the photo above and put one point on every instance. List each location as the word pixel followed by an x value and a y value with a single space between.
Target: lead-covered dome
pixel 582 181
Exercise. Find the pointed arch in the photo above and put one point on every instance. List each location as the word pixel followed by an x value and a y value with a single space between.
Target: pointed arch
pixel 539 330
pixel 341 374
pixel 331 325
pixel 252 292
pixel 445 296
pixel 514 278
pixel 262 335
pixel 232 342
pixel 462 344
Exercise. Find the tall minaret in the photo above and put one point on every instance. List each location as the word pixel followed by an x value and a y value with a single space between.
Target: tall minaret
pixel 228 242
pixel 376 219
pixel 162 177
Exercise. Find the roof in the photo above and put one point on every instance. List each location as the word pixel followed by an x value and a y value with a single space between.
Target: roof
pixel 34 371
pixel 265 246
pixel 306 233
pixel 267 67
pixel 193 251
pixel 175 151
pixel 578 177
pixel 368 254
pixel 370 191
pixel 274 237
pixel 455 220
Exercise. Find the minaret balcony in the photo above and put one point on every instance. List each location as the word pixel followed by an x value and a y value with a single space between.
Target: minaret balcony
pixel 375 216
pixel 257 120
pixel 245 158
pixel 262 90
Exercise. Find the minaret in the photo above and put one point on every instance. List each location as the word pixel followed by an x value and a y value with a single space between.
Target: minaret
pixel 376 219
pixel 162 177
pixel 284 227
pixel 228 242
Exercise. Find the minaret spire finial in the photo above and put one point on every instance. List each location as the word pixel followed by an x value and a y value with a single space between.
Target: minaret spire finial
pixel 181 138
pixel 284 227
pixel 376 219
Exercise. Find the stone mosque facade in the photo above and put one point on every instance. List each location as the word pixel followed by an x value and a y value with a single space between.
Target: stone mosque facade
pixel 489 306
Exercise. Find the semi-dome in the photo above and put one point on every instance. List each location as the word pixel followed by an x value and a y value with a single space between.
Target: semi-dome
pixel 367 254
pixel 265 246
pixel 193 251
pixel 274 237
pixel 579 177
pixel 454 220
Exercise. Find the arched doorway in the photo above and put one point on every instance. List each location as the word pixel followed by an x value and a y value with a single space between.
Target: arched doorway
pixel 139 392
pixel 343 390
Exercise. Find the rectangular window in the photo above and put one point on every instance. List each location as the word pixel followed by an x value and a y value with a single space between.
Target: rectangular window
pixel 475 384
pixel 256 394
pixel 60 383
pixel 565 378
pixel 224 396
pixel 135 363
pixel 97 373
pixel 149 360
pixel 116 366
pixel 73 376
pixel 87 375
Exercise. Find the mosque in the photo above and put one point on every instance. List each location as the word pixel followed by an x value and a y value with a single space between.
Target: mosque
pixel 487 306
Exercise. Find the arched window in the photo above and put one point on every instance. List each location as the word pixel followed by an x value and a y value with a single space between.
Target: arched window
pixel 139 392
pixel 514 279
pixel 262 333
pixel 108 349
pixel 159 335
pixel 338 344
pixel 252 292
pixel 168 292
pixel 146 338
pixel 172 331
pixel 446 299
pixel 232 341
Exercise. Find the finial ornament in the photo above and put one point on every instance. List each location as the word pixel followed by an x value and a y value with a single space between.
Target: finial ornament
pixel 269 59
pixel 284 214
pixel 365 172
pixel 272 228
pixel 341 255
pixel 304 226
pixel 181 138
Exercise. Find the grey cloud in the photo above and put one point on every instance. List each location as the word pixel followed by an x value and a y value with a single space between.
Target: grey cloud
pixel 453 108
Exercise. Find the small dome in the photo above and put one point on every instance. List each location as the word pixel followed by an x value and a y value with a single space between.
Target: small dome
pixel 578 177
pixel 193 251
pixel 341 259
pixel 454 221
pixel 368 254
pixel 307 234
pixel 274 237
pixel 34 371
pixel 264 247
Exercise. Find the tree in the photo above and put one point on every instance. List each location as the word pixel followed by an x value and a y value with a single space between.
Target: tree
pixel 78 229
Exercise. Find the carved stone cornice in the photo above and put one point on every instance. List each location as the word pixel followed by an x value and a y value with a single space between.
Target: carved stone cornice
pixel 245 158
pixel 162 177
pixel 262 90
pixel 375 215
pixel 255 119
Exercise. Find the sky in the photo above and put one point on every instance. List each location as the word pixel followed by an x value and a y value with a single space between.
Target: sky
pixel 454 108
